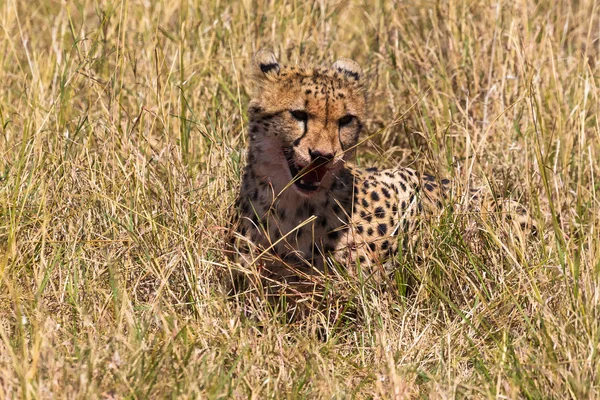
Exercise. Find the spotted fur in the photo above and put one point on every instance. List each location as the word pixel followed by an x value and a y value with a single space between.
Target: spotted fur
pixel 302 206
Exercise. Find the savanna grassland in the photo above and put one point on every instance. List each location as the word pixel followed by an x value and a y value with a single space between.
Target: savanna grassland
pixel 122 136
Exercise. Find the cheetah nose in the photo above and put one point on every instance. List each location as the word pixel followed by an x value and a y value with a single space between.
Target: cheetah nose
pixel 322 157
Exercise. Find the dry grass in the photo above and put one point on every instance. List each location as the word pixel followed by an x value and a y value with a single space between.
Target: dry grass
pixel 122 129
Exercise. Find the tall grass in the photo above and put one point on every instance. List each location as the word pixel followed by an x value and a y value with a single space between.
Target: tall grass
pixel 122 129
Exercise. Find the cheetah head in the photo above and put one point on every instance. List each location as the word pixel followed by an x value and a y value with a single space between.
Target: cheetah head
pixel 305 121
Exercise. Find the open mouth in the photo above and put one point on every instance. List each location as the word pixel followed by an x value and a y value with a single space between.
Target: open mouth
pixel 307 178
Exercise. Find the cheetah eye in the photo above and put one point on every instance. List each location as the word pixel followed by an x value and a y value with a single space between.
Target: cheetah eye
pixel 299 115
pixel 346 120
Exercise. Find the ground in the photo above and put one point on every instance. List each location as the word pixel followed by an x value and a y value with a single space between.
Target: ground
pixel 122 129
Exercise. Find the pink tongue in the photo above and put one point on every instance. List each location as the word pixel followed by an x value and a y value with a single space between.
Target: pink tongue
pixel 314 174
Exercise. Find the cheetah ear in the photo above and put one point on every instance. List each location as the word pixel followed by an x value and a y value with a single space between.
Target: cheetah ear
pixel 349 67
pixel 265 63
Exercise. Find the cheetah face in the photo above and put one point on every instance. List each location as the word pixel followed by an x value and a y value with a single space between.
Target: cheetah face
pixel 305 122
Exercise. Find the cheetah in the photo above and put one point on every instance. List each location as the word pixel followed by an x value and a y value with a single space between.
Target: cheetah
pixel 302 206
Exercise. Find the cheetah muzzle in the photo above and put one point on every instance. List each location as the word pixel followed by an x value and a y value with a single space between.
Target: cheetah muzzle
pixel 307 178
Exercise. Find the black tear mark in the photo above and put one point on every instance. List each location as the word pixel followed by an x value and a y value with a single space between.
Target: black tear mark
pixel 327 111
pixel 297 141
